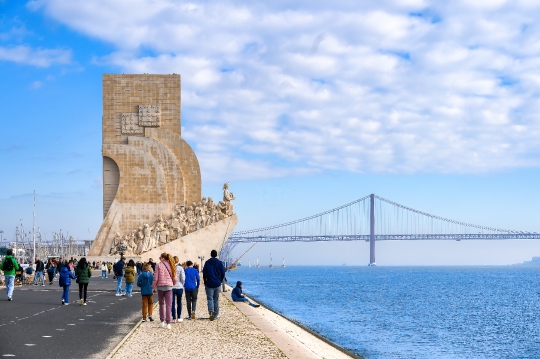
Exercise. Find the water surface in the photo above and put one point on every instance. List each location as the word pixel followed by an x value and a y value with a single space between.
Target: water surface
pixel 408 312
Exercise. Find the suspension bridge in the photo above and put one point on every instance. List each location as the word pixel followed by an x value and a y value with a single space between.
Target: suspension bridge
pixel 373 218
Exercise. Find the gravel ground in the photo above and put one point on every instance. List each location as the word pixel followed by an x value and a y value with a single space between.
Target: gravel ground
pixel 231 336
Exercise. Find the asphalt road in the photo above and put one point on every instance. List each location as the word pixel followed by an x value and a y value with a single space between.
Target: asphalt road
pixel 36 325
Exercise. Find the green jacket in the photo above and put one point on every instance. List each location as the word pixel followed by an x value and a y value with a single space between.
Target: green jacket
pixel 83 275
pixel 129 274
pixel 15 266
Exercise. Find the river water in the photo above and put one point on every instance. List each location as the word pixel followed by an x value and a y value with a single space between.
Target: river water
pixel 408 312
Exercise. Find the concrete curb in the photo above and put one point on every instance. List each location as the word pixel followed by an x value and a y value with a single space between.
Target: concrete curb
pixel 284 344
pixel 315 334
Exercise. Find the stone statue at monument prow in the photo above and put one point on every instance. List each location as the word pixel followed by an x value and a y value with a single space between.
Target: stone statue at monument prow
pixel 228 208
pixel 151 176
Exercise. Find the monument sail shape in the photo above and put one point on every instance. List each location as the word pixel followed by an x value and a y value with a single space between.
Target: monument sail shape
pixel 151 177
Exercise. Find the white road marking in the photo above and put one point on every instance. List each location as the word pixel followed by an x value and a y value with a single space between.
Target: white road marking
pixel 47 336
pixel 30 345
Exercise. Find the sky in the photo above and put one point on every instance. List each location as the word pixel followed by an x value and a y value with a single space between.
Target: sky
pixel 302 107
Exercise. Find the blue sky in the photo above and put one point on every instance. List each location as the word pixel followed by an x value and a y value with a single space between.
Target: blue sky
pixel 302 108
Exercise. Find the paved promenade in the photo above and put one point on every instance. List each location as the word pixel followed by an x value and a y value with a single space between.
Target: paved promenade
pixel 36 325
pixel 240 332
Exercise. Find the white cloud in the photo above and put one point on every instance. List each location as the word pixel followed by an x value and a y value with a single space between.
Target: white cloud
pixel 35 57
pixel 36 85
pixel 273 90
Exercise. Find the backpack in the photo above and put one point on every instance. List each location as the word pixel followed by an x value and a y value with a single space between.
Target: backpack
pixel 8 264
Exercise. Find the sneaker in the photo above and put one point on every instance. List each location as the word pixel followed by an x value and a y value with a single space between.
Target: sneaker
pixel 123 294
pixel 63 303
pixel 43 285
pixel 161 325
pixel 256 305
pixel 129 295
pixel 150 318
pixel 35 283
pixel 211 315
pixel 193 315
pixel 175 321
pixel 66 304
pixel 84 303
pixel 9 299
pixel 169 326
pixel 188 317
pixel 179 320
pixel 118 294
pixel 144 319
pixel 80 302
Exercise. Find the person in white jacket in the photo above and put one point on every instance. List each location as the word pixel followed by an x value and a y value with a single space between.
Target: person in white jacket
pixel 177 291
pixel 103 270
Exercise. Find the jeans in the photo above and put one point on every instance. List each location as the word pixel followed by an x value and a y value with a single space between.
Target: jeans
pixel 191 300
pixel 212 296
pixel 165 299
pixel 39 275
pixel 177 299
pixel 245 300
pixel 83 289
pixel 129 288
pixel 10 283
pixel 65 294
pixel 103 274
pixel 138 271
pixel 119 284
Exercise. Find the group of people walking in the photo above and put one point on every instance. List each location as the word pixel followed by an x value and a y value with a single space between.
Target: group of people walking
pixel 68 270
pixel 169 278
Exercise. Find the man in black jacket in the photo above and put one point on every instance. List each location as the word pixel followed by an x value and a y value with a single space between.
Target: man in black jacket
pixel 213 274
pixel 40 267
pixel 119 273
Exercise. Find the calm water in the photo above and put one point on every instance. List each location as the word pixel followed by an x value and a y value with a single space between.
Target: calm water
pixel 404 312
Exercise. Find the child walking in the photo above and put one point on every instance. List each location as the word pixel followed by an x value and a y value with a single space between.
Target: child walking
pixel 129 274
pixel 145 283
pixel 65 281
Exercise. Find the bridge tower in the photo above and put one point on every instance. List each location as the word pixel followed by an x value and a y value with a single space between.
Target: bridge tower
pixel 372 230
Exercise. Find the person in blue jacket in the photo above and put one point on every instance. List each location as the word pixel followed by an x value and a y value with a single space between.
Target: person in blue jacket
pixel 191 288
pixel 237 295
pixel 65 281
pixel 145 283
pixel 213 275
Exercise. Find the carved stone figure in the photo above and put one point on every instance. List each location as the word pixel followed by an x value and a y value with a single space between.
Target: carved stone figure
pixel 140 240
pixel 227 198
pixel 149 240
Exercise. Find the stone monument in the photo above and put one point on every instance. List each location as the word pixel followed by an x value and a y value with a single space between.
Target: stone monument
pixel 151 177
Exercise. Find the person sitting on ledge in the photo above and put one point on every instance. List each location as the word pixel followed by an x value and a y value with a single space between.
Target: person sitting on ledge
pixel 237 295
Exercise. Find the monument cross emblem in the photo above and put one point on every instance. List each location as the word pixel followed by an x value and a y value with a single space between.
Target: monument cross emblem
pixel 149 115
